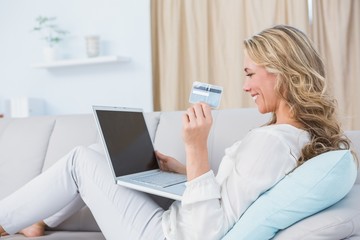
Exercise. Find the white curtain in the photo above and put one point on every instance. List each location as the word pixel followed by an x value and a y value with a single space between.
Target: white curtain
pixel 336 33
pixel 202 40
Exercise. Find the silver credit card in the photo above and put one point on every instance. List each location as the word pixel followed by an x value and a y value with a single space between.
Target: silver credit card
pixel 207 93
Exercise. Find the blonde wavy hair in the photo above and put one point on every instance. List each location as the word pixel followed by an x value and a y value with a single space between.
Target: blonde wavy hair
pixel 288 53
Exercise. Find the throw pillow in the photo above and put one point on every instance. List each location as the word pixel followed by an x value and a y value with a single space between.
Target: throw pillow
pixel 317 184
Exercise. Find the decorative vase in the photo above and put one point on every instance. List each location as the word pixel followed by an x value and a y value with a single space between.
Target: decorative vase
pixel 49 54
pixel 92 45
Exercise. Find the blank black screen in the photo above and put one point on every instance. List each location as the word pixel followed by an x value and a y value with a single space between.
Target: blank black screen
pixel 127 140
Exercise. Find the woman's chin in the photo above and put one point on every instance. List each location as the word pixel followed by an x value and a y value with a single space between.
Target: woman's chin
pixel 262 110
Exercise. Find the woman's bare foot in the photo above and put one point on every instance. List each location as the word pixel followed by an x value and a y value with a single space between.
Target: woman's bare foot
pixel 35 230
pixel 2 232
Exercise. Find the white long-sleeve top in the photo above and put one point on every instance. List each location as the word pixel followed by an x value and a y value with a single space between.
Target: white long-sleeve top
pixel 212 205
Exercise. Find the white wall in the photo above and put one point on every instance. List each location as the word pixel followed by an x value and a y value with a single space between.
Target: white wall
pixel 124 27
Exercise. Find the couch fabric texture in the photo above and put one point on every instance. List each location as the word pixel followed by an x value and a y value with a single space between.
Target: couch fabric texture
pixel 28 146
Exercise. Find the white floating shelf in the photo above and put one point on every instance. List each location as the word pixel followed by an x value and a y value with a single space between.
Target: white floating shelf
pixel 80 62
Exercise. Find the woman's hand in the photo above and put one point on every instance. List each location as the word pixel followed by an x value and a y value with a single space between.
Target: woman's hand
pixel 197 123
pixel 170 164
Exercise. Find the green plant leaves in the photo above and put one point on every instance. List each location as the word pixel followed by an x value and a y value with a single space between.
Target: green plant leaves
pixel 49 30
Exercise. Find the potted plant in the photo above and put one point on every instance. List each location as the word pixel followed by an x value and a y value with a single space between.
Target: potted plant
pixel 51 34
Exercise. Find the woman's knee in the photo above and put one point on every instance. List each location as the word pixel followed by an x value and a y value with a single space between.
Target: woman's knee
pixel 83 153
pixel 87 158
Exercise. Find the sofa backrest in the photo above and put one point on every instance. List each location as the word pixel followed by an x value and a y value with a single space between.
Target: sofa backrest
pixel 228 127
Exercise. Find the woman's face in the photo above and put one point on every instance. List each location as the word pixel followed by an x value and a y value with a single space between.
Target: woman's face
pixel 260 84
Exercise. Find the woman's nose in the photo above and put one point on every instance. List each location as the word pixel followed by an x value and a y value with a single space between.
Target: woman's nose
pixel 246 86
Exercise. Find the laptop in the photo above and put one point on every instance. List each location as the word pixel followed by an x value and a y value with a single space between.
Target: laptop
pixel 130 153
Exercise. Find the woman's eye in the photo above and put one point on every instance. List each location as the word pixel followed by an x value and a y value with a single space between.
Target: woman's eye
pixel 249 74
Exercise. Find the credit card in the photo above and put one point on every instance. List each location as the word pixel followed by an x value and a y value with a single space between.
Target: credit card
pixel 207 93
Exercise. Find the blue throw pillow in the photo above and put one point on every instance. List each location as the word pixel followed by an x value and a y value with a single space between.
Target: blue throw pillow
pixel 317 184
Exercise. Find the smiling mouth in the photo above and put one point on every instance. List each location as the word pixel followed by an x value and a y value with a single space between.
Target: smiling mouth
pixel 254 97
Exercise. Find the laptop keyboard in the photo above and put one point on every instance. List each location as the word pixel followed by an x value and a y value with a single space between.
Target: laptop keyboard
pixel 162 179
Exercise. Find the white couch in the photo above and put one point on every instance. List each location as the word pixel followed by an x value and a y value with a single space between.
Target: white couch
pixel 29 146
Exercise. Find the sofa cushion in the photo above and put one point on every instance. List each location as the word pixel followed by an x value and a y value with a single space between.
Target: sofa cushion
pixel 168 138
pixel 61 235
pixel 318 183
pixel 340 221
pixel 23 145
pixel 354 137
pixel 152 121
pixel 70 131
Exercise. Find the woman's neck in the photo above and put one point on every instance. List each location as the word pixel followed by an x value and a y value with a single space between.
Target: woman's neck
pixel 285 116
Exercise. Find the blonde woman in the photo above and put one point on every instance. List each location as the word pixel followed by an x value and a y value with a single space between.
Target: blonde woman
pixel 284 76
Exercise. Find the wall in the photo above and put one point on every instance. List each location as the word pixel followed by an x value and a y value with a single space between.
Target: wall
pixel 124 27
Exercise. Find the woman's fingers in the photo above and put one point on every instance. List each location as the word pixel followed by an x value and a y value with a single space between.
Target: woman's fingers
pixel 206 111
pixel 159 155
pixel 191 114
pixel 162 160
pixel 198 110
pixel 170 164
pixel 197 114
pixel 197 122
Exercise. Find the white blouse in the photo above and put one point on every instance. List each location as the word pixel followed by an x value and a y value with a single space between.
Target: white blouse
pixel 212 205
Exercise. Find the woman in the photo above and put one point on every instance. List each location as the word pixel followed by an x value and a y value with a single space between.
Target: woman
pixel 284 76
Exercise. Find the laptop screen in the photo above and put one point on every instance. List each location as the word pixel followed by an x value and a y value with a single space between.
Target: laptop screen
pixel 127 140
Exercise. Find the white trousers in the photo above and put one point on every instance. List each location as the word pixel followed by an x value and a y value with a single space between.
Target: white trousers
pixel 121 213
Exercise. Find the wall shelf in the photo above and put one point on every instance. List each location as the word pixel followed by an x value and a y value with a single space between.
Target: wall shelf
pixel 82 62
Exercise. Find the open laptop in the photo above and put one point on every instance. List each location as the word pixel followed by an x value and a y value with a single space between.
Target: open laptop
pixel 130 153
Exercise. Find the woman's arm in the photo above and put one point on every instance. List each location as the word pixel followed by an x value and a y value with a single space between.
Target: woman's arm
pixel 197 122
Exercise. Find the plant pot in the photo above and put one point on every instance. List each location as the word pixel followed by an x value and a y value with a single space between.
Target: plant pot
pixel 49 54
